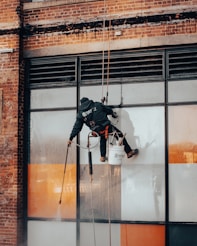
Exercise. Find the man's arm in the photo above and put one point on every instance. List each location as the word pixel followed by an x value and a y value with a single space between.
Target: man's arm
pixel 76 128
pixel 110 111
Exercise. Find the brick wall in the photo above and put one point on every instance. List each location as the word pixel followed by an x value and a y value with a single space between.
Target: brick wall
pixel 10 167
pixel 78 37
pixel 64 24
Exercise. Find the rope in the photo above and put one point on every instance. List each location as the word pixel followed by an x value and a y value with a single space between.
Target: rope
pixel 89 146
pixel 91 180
pixel 108 61
pixel 93 219
pixel 109 199
pixel 103 53
pixel 103 57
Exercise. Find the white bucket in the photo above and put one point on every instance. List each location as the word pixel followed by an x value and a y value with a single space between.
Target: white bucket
pixel 116 153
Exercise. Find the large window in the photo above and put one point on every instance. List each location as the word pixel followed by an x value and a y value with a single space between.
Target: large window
pixel 146 199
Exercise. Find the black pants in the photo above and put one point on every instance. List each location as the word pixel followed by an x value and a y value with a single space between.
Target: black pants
pixel 103 141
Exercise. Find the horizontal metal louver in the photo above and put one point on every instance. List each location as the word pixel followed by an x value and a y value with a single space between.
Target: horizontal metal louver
pixel 123 67
pixel 119 67
pixel 182 63
pixel 52 71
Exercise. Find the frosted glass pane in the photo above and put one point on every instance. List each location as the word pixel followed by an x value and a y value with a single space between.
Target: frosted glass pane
pixel 133 93
pixel 182 125
pixel 102 193
pixel 49 135
pixel 182 163
pixel 96 93
pixel 104 234
pixel 143 93
pixel 144 129
pixel 53 98
pixel 183 195
pixel 142 178
pixel 48 145
pixel 143 192
pixel 182 91
pixel 50 233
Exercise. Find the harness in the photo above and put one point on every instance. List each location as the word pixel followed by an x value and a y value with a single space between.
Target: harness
pixel 105 132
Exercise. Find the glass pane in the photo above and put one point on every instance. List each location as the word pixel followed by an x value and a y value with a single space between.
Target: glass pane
pixel 143 93
pixel 181 91
pixel 100 194
pixel 137 181
pixel 49 136
pixel 53 98
pixel 141 235
pixel 183 160
pixel 99 234
pixel 50 233
pixel 142 177
pixel 182 235
pixel 96 93
pixel 133 93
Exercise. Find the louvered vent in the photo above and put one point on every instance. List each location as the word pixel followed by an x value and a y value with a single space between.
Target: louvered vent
pixel 123 67
pixel 52 71
pixel 182 64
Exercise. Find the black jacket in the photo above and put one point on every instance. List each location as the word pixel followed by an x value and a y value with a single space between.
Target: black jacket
pixel 94 115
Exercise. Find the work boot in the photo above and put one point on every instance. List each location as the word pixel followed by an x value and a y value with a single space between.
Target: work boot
pixel 102 158
pixel 132 153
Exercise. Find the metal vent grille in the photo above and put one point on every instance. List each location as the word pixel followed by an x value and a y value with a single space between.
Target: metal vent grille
pixel 52 71
pixel 182 64
pixel 123 67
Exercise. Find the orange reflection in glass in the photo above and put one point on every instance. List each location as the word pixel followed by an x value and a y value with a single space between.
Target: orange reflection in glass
pixel 44 189
pixel 183 153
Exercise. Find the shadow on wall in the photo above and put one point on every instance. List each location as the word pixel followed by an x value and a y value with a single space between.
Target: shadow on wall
pixel 142 132
pixel 124 123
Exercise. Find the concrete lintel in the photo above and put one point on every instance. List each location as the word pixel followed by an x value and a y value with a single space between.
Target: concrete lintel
pixel 114 45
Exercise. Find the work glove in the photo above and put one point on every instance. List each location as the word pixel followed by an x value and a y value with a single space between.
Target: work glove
pixel 69 142
pixel 114 115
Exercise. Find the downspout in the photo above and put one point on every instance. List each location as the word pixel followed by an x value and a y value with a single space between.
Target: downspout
pixel 22 167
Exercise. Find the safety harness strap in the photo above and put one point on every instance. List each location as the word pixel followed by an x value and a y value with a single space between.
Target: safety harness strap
pixel 105 132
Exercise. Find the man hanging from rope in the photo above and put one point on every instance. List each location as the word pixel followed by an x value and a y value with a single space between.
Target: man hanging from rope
pixel 94 115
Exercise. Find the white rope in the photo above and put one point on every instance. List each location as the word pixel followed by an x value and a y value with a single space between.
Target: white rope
pixel 103 53
pixel 109 198
pixel 93 219
pixel 90 147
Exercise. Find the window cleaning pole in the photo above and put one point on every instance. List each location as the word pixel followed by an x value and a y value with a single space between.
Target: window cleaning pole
pixel 60 200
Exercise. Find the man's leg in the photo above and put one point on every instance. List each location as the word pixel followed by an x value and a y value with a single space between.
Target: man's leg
pixel 129 151
pixel 103 147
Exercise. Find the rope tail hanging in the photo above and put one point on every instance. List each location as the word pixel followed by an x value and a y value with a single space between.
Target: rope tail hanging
pixel 91 180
